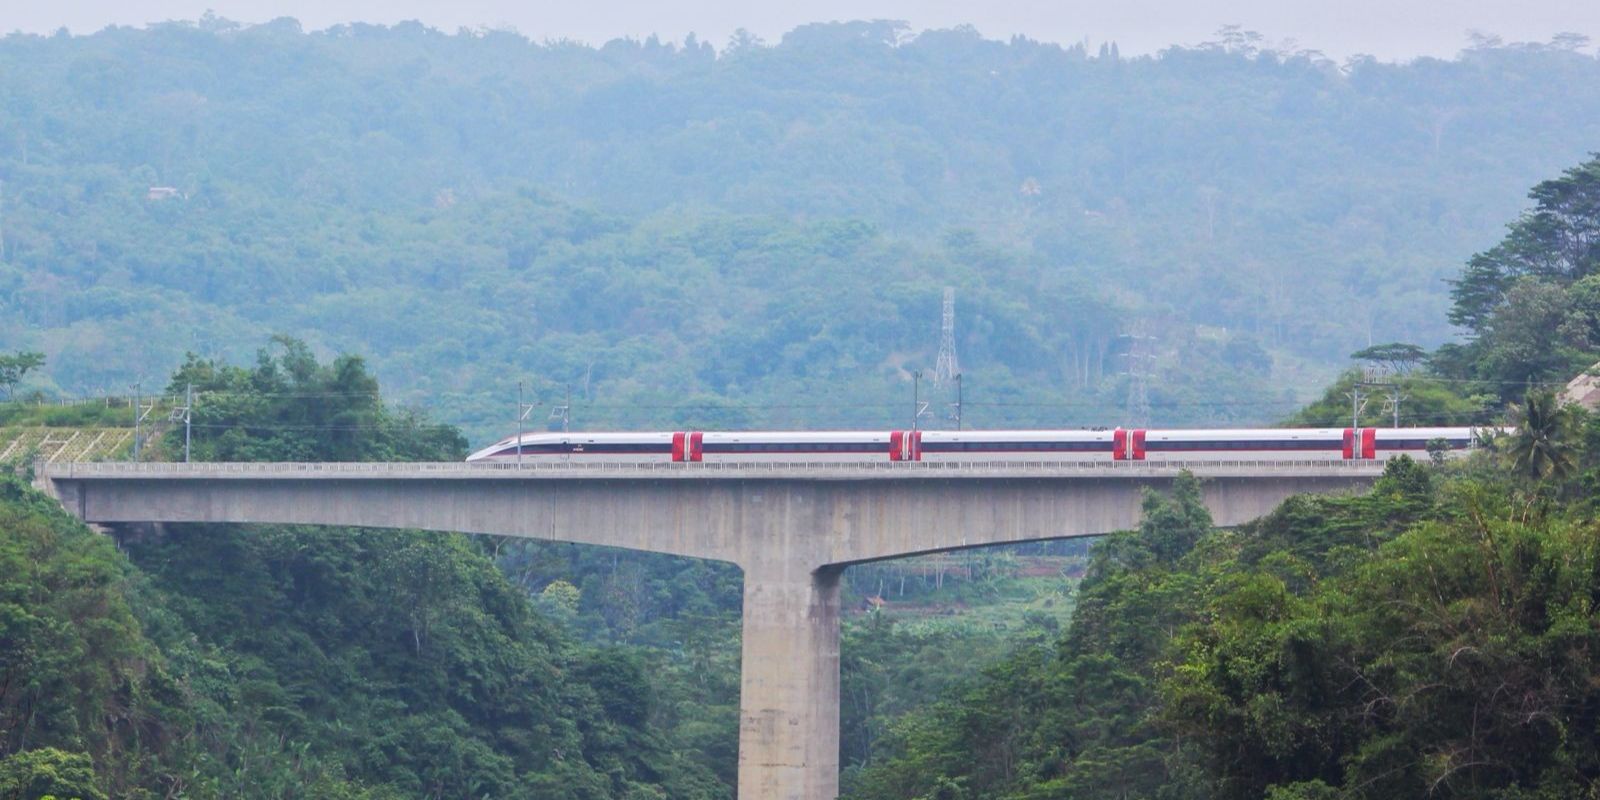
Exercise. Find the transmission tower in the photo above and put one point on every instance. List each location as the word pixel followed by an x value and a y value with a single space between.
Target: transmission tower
pixel 946 369
pixel 1140 356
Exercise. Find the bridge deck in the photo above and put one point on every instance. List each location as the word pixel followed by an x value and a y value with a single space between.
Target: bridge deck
pixel 777 470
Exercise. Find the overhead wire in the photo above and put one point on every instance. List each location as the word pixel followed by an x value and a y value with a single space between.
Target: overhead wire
pixel 997 410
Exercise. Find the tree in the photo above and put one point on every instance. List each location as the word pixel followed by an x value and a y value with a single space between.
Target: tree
pixel 1583 318
pixel 290 407
pixel 1541 446
pixel 1172 523
pixel 48 772
pixel 16 365
pixel 1558 241
pixel 1531 304
pixel 1398 358
pixel 1522 341
pixel 562 595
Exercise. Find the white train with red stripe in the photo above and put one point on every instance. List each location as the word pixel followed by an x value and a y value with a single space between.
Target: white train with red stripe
pixel 1136 444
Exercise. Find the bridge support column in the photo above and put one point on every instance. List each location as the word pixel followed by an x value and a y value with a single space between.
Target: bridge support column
pixel 789 690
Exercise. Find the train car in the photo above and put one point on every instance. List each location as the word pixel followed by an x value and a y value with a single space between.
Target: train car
pixel 745 446
pixel 1390 442
pixel 1005 446
pixel 1293 444
pixel 1239 444
pixel 638 447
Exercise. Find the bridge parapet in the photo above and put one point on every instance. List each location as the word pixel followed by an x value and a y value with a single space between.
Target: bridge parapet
pixel 776 470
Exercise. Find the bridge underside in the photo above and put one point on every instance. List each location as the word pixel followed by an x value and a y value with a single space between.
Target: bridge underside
pixel 791 534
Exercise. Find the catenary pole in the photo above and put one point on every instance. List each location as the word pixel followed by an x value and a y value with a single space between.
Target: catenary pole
pixel 188 417
pixel 138 408
pixel 916 398
pixel 958 401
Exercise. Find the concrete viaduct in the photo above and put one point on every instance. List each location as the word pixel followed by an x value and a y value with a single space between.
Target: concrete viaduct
pixel 793 528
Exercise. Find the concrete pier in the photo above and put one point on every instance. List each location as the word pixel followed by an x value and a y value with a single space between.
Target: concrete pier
pixel 792 528
pixel 789 684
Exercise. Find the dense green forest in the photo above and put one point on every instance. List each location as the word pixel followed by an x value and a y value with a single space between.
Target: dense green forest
pixel 1434 638
pixel 756 234
pixel 281 662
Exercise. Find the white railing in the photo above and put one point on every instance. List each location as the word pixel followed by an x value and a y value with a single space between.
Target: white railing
pixel 578 468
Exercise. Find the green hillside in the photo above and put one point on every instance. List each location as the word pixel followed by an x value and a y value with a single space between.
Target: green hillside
pixel 279 663
pixel 1436 637
pixel 760 234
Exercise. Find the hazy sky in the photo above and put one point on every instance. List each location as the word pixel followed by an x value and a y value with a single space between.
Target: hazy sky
pixel 1389 29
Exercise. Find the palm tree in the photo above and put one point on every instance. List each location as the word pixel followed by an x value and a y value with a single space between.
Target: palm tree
pixel 1541 445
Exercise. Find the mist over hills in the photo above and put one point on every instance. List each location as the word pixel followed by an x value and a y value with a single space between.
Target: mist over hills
pixel 756 235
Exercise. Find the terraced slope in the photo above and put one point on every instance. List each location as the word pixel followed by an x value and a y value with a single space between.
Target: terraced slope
pixel 21 444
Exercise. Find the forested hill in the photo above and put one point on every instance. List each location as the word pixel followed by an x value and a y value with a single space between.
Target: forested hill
pixel 1436 637
pixel 663 224
pixel 323 663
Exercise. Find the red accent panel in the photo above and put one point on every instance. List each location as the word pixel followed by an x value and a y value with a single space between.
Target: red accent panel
pixel 677 447
pixel 697 450
pixel 1138 444
pixel 1349 443
pixel 1119 445
pixel 1369 442
pixel 916 445
pixel 896 438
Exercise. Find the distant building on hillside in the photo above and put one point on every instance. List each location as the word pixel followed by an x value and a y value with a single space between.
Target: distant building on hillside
pixel 1584 390
pixel 164 193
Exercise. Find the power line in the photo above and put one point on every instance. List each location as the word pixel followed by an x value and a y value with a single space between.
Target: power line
pixel 1162 404
pixel 404 396
pixel 1095 406
pixel 1459 419
pixel 284 426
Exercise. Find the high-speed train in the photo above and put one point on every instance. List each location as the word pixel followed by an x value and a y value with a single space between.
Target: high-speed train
pixel 1138 444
